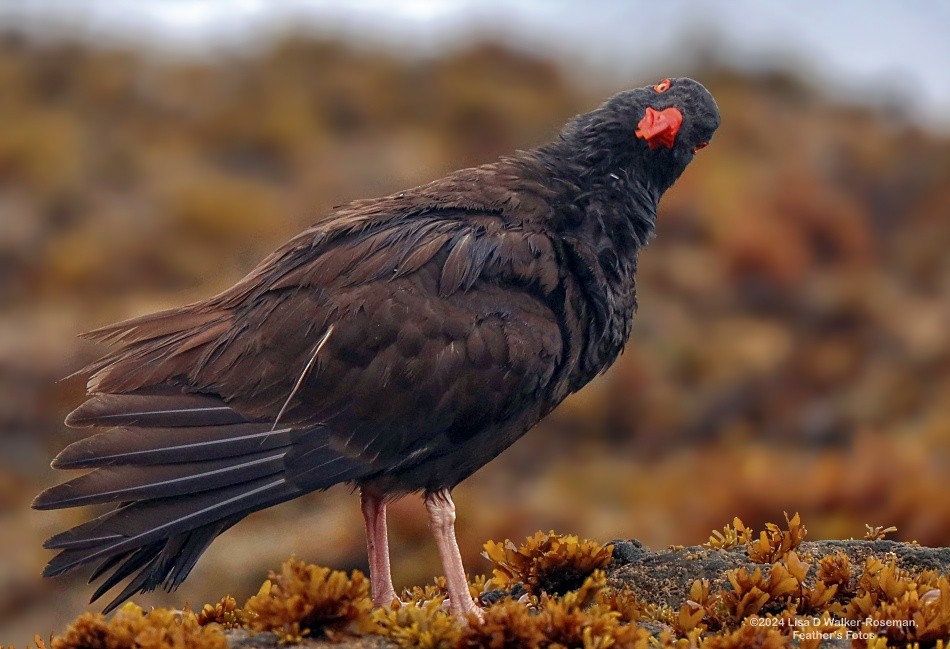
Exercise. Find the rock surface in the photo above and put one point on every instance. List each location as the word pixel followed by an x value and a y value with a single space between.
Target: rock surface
pixel 663 577
pixel 245 640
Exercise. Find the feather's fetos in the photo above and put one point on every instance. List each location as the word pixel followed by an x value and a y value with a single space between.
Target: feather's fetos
pixel 399 344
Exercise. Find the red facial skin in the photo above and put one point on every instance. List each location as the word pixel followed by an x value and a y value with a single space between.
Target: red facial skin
pixel 659 127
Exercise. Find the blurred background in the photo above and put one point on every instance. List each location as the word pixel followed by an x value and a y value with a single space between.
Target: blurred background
pixel 791 352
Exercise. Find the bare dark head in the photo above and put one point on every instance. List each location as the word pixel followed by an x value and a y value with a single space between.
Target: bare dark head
pixel 655 129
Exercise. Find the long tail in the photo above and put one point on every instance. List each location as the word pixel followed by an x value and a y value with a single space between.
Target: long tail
pixel 183 468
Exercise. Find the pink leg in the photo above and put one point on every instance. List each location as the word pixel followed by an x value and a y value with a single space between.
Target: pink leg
pixel 442 523
pixel 377 548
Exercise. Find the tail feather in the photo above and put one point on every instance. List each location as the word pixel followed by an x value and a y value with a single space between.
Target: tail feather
pixel 186 556
pixel 166 564
pixel 130 562
pixel 144 522
pixel 143 446
pixel 74 539
pixel 182 466
pixel 170 512
pixel 120 483
pixel 146 565
pixel 107 565
pixel 144 409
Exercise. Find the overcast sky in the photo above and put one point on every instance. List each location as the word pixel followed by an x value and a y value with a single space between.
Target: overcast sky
pixel 898 49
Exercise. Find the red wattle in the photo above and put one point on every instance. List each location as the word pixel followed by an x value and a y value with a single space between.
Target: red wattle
pixel 659 127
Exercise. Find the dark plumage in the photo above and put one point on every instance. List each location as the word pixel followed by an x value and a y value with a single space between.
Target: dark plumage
pixel 399 345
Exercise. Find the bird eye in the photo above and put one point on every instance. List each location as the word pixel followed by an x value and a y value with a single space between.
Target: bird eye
pixel 663 86
pixel 701 145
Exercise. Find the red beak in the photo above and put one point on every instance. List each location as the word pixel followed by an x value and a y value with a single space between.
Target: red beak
pixel 659 127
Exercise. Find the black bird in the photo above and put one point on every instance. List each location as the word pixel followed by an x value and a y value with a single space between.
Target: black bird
pixel 397 345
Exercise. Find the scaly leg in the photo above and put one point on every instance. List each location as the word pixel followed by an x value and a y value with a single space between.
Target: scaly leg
pixel 442 523
pixel 377 548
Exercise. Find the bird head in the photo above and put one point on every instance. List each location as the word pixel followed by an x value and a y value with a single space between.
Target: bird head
pixel 654 131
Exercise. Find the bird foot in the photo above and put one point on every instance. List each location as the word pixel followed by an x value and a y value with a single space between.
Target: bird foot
pixel 468 607
pixel 386 600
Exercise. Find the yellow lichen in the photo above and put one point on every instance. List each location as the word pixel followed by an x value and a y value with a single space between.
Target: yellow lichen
pixel 420 594
pixel 426 625
pixel 903 607
pixel 774 543
pixel 731 536
pixel 549 563
pixel 885 602
pixel 753 590
pixel 581 618
pixel 133 628
pixel 748 636
pixel 304 599
pixel 769 546
pixel 225 613
pixel 478 585
pixel 835 569
pixel 700 604
pixel 877 532
pixel 626 603
pixel 507 625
